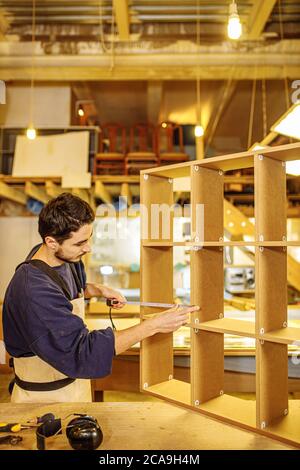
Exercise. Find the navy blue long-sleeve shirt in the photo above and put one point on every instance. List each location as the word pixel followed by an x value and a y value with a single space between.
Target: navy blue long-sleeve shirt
pixel 38 320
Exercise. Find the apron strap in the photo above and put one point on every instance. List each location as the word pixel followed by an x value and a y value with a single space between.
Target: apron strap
pixel 45 268
pixel 76 278
pixel 43 386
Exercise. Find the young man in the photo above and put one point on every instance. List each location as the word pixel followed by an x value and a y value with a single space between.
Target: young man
pixel 54 352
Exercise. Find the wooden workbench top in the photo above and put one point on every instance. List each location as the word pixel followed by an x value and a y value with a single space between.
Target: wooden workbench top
pixel 139 425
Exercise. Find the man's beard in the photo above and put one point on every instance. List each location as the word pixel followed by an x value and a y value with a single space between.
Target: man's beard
pixel 61 257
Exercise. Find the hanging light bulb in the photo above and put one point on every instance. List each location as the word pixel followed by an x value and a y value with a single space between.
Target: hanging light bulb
pixel 31 133
pixel 80 111
pixel 199 131
pixel 234 27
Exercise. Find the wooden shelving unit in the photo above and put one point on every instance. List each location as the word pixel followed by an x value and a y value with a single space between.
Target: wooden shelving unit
pixel 271 413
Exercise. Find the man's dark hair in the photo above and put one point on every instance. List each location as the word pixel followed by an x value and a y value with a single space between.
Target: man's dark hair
pixel 63 215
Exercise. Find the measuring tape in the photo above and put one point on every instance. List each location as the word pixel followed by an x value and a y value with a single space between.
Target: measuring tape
pixel 111 303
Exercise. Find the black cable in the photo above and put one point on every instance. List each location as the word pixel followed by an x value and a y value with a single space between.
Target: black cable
pixel 111 320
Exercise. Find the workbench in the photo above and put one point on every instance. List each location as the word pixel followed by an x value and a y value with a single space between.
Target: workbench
pixel 142 425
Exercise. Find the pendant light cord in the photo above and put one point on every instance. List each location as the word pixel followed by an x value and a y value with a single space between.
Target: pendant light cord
pixel 32 63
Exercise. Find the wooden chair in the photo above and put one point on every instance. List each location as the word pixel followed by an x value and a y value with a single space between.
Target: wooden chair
pixel 142 152
pixel 112 149
pixel 170 143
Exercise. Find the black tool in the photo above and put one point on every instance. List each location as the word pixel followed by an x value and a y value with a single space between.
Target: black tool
pixel 10 439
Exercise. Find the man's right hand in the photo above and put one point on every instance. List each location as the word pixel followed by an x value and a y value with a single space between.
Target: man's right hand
pixel 164 322
pixel 172 319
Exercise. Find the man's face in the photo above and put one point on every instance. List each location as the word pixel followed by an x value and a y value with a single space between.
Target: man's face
pixel 74 248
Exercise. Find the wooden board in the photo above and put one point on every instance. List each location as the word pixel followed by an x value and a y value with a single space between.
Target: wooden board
pixel 270 199
pixel 139 425
pixel 235 161
pixel 288 335
pixel 229 325
pixel 272 382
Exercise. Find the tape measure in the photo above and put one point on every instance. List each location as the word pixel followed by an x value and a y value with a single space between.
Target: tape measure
pixel 111 303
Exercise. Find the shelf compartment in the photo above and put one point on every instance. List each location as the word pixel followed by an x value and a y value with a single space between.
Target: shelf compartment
pixel 174 390
pixel 286 335
pixel 287 428
pixel 157 349
pixel 227 325
pixel 231 409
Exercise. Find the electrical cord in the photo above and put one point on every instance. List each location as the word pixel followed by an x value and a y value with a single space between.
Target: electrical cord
pixel 111 320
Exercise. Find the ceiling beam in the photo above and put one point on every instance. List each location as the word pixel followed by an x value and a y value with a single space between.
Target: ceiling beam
pixel 100 192
pixel 36 192
pixel 82 193
pixel 269 61
pixel 89 73
pixel 154 100
pixel 258 17
pixel 12 194
pixel 4 24
pixel 217 113
pixel 126 192
pixel 54 190
pixel 122 18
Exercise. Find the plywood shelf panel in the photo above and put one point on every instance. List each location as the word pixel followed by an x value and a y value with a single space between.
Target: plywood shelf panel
pixel 228 325
pixel 235 161
pixel 223 243
pixel 231 409
pixel 287 428
pixel 284 335
pixel 174 390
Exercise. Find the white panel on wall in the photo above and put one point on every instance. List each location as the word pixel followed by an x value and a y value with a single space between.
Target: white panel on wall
pixel 51 106
pixel 53 155
pixel 17 236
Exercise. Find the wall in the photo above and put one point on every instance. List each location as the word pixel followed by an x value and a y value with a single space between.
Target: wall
pixel 52 106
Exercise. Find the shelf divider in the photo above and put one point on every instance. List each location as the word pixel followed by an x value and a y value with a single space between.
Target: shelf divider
pixel 156 281
pixel 271 290
pixel 207 348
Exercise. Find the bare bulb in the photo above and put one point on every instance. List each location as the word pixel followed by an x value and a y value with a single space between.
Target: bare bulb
pixel 31 133
pixel 199 131
pixel 234 27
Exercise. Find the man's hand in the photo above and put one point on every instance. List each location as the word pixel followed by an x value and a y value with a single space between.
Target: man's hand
pixel 112 294
pixel 172 319
pixel 165 322
pixel 98 290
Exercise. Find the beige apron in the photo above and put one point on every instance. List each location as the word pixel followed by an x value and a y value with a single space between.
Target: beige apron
pixel 34 369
